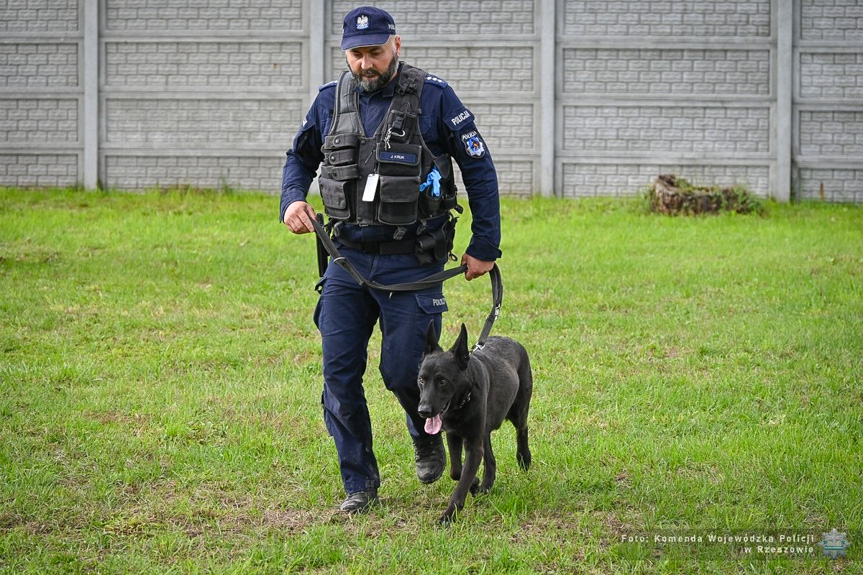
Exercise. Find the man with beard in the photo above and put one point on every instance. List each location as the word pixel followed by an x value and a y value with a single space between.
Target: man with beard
pixel 384 136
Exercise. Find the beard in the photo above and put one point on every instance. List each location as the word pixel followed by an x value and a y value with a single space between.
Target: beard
pixel 372 81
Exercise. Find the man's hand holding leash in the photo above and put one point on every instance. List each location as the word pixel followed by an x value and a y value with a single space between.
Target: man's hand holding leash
pixel 299 216
pixel 475 267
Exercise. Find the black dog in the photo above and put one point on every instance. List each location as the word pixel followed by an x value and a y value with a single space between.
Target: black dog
pixel 469 395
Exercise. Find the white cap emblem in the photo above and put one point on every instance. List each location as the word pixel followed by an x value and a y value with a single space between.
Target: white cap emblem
pixel 362 22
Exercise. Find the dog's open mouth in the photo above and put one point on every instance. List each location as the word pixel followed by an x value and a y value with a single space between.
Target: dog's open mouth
pixel 433 425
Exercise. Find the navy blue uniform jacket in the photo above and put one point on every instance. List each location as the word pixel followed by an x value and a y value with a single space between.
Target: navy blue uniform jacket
pixel 446 126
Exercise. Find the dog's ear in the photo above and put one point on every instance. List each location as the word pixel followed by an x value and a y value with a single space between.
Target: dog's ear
pixel 431 340
pixel 459 349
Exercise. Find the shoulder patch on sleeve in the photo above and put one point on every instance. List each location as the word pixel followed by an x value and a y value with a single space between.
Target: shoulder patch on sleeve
pixel 327 85
pixel 473 144
pixel 459 119
pixel 431 79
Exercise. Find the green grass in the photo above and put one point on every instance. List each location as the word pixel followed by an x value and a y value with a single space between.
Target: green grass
pixel 160 392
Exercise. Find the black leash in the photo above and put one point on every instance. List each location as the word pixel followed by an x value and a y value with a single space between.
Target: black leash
pixel 497 299
pixel 429 281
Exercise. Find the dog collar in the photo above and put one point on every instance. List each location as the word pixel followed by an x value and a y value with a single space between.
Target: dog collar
pixel 464 401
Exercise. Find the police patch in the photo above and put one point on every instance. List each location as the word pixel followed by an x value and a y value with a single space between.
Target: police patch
pixel 473 145
pixel 459 120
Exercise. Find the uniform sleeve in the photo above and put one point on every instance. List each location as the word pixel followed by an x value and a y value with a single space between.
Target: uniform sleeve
pixel 467 147
pixel 303 159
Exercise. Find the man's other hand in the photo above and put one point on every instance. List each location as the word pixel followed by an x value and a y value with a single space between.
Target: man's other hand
pixel 475 267
pixel 299 216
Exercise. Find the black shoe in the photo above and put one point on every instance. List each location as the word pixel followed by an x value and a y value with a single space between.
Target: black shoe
pixel 430 457
pixel 359 501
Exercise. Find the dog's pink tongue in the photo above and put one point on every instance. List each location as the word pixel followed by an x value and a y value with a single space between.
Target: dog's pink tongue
pixel 433 425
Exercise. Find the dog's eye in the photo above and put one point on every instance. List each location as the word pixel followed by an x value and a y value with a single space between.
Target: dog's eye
pixel 443 382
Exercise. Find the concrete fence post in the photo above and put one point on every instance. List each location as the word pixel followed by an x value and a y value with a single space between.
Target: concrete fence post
pixel 91 95
pixel 784 91
pixel 317 47
pixel 548 91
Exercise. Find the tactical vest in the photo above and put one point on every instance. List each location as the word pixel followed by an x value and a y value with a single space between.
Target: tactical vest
pixel 396 153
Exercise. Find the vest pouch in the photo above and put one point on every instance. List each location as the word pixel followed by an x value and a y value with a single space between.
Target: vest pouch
pixel 339 174
pixel 398 201
pixel 350 172
pixel 447 179
pixel 399 168
pixel 429 205
pixel 341 142
pixel 336 196
pixel 341 157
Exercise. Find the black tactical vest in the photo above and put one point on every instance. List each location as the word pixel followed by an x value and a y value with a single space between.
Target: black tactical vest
pixel 396 153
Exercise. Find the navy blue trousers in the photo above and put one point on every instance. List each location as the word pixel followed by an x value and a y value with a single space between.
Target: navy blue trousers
pixel 346 315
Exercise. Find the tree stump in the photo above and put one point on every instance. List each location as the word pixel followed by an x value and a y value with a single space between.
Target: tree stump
pixel 672 195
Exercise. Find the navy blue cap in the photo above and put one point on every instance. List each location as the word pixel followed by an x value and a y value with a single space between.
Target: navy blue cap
pixel 367 26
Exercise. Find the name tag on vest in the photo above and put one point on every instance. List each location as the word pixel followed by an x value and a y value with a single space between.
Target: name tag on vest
pixel 398 157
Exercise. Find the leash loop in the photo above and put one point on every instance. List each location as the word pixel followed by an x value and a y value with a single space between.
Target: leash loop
pixel 497 300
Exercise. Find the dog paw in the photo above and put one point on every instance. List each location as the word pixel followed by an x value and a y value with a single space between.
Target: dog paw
pixel 450 514
pixel 447 519
pixel 474 487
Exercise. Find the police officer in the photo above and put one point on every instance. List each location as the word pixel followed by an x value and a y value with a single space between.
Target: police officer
pixel 384 136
